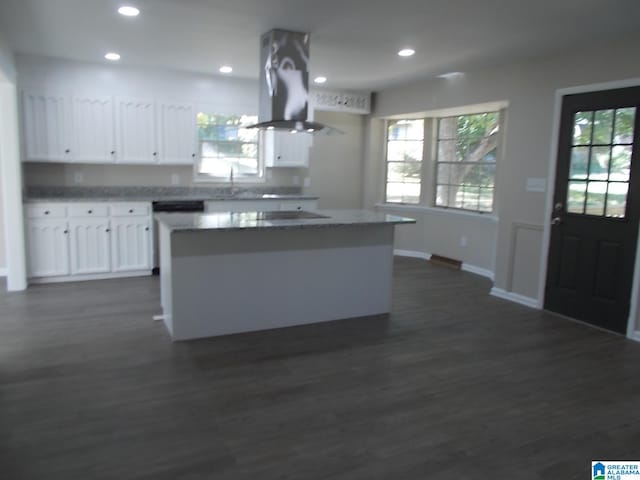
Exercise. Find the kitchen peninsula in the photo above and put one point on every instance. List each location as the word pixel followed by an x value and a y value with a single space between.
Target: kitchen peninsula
pixel 224 273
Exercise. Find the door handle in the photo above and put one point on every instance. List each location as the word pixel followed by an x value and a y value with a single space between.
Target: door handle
pixel 555 221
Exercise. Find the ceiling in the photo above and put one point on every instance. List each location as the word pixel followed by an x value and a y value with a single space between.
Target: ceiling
pixel 353 42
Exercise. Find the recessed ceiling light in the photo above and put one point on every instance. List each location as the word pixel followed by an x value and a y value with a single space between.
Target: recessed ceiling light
pixel 129 11
pixel 270 127
pixel 226 69
pixel 320 79
pixel 406 52
pixel 294 131
pixel 451 75
pixel 310 130
pixel 113 56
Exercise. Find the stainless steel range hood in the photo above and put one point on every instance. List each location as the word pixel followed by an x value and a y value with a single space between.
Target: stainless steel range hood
pixel 284 84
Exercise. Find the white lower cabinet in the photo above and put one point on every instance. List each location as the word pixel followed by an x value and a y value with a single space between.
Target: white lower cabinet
pixel 88 240
pixel 270 204
pixel 47 247
pixel 90 246
pixel 131 244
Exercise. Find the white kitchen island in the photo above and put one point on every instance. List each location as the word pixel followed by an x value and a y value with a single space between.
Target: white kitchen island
pixel 224 273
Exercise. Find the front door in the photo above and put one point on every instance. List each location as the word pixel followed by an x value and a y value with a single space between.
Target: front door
pixel 596 208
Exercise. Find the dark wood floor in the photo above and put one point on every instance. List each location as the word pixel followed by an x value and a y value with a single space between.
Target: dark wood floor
pixel 454 384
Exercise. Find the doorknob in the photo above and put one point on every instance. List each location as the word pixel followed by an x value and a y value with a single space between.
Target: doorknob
pixel 556 221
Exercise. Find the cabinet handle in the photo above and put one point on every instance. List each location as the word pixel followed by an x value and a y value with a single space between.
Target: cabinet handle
pixel 89 212
pixel 146 229
pixel 107 230
pixel 131 210
pixel 113 152
pixel 155 154
pixel 279 157
pixel 193 155
pixel 65 231
pixel 46 212
pixel 68 150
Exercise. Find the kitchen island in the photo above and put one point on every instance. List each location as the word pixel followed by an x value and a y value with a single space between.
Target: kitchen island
pixel 224 273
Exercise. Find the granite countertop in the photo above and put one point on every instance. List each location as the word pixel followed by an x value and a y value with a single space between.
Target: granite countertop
pixel 149 194
pixel 189 222
pixel 147 198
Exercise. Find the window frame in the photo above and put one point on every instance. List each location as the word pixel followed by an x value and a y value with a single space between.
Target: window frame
pixel 201 177
pixel 437 162
pixel 421 162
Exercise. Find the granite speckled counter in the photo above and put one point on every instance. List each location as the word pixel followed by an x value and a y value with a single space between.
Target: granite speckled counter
pixel 257 220
pixel 227 273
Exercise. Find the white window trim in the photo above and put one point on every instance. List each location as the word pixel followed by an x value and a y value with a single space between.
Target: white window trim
pixel 429 162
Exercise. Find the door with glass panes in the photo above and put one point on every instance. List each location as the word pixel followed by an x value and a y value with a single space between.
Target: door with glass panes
pixel 596 208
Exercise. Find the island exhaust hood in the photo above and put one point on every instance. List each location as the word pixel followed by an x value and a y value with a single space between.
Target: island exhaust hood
pixel 284 84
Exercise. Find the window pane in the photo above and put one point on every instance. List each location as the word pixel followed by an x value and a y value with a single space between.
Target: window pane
pixel 625 118
pixel 576 197
pixel 617 199
pixel 582 124
pixel 595 198
pixel 404 150
pixel 403 192
pixel 226 144
pixel 406 130
pixel 579 163
pixel 599 167
pixel 408 172
pixel 602 126
pixel 467 153
pixel 620 163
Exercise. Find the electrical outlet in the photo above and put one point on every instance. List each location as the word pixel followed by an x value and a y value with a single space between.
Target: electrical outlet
pixel 463 241
pixel 78 177
pixel 175 179
pixel 307 182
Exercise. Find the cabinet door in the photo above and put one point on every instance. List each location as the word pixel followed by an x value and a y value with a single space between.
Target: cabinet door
pixel 176 134
pixel 285 149
pixel 131 244
pixel 90 245
pixel 47 127
pixel 136 132
pixel 93 132
pixel 47 248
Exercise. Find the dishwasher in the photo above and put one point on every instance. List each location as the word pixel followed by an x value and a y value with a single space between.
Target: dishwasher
pixel 171 206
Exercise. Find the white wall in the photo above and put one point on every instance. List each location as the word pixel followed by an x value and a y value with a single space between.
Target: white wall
pixel 12 258
pixel 335 162
pixel 529 88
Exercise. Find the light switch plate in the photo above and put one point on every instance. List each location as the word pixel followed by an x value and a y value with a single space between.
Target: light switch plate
pixel 307 182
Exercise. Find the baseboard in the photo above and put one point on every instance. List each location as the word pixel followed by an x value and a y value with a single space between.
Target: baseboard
pixel 515 297
pixel 413 254
pixel 3 272
pixel 82 278
pixel 635 336
pixel 483 272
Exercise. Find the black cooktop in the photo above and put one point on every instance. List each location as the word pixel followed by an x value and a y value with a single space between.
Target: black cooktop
pixel 283 215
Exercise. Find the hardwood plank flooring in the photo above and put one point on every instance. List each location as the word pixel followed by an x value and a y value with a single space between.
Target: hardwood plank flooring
pixel 454 384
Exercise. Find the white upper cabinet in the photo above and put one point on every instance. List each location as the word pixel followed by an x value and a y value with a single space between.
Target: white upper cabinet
pixel 136 131
pixel 93 132
pixel 47 128
pixel 176 134
pixel 286 149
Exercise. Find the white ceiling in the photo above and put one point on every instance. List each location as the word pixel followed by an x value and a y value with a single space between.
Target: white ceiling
pixel 353 42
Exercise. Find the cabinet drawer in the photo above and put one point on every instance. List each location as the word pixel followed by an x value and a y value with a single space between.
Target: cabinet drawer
pixel 46 211
pixel 88 210
pixel 130 209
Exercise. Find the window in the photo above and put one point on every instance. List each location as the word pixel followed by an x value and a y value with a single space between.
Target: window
pixel 466 161
pixel 405 141
pixel 227 148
